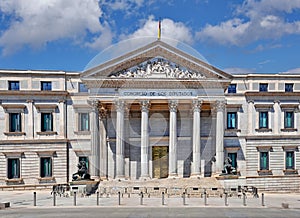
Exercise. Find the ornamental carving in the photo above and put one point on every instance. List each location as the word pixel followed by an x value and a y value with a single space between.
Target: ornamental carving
pixel 220 105
pixel 197 104
pixel 120 106
pixel 102 111
pixel 173 106
pixel 157 68
pixel 145 105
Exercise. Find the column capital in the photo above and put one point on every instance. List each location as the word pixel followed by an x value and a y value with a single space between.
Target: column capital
pixel 102 111
pixel 94 104
pixel 145 105
pixel 197 104
pixel 220 105
pixel 173 104
pixel 120 105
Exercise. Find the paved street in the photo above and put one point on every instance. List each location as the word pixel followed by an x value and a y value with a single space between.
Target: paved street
pixel 22 205
pixel 148 212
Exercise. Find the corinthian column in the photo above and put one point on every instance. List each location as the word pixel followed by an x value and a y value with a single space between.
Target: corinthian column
pixel 120 170
pixel 144 139
pixel 196 138
pixel 173 138
pixel 103 142
pixel 94 164
pixel 220 106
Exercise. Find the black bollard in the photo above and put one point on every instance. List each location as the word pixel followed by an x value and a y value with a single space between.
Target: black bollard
pixel 141 200
pixel 262 199
pixel 226 199
pixel 34 198
pixel 183 198
pixel 97 198
pixel 74 198
pixel 54 198
pixel 162 198
pixel 244 200
pixel 119 193
pixel 205 197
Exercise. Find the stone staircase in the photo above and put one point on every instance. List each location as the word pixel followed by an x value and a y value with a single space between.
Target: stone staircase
pixel 157 187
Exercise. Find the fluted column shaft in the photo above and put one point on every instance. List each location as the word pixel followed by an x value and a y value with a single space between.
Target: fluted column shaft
pixel 95 155
pixel 120 151
pixel 220 105
pixel 145 139
pixel 196 138
pixel 173 138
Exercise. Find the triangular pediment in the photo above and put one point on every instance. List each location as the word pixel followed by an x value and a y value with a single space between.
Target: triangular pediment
pixel 157 60
pixel 157 68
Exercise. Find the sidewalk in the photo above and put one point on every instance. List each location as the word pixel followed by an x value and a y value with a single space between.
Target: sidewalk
pixel 44 199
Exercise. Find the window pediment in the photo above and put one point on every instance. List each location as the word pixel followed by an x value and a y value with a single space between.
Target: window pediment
pixel 14 154
pixel 46 108
pixel 290 148
pixel 264 148
pixel 13 108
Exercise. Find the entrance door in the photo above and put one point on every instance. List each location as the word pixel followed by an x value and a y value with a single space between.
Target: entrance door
pixel 160 160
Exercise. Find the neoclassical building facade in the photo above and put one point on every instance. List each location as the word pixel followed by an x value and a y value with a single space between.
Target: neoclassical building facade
pixel 152 112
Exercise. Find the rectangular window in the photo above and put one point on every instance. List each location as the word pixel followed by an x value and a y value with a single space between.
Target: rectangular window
pixel 82 88
pixel 289 119
pixel 14 85
pixel 263 87
pixel 263 119
pixel 231 120
pixel 232 88
pixel 264 160
pixel 13 168
pixel 290 160
pixel 15 122
pixel 233 157
pixel 289 87
pixel 47 120
pixel 46 167
pixel 46 86
pixel 84 124
pixel 86 160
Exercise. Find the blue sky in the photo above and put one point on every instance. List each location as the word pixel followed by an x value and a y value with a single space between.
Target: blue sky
pixel 252 36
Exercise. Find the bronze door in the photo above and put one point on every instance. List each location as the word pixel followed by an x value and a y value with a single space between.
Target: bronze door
pixel 160 159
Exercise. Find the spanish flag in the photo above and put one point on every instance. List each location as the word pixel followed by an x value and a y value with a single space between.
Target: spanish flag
pixel 159 29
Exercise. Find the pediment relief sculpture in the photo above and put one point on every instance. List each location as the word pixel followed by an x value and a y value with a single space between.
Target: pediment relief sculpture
pixel 157 68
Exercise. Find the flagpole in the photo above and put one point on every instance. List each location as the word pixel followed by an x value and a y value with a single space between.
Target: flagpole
pixel 159 29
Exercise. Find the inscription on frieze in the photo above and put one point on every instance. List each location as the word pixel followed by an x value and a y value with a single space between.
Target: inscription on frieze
pixel 158 93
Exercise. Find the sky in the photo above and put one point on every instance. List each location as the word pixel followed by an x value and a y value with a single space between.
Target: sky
pixel 237 36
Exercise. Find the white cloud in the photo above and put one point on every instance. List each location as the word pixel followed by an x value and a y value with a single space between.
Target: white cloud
pixel 237 70
pixel 169 29
pixel 292 71
pixel 35 23
pixel 254 20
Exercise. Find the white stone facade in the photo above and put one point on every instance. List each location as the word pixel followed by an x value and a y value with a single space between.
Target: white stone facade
pixel 153 126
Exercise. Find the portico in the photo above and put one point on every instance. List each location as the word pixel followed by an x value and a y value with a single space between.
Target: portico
pixel 166 99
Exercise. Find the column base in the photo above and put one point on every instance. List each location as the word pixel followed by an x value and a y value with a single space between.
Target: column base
pixel 196 176
pixel 96 178
pixel 120 178
pixel 103 178
pixel 145 178
pixel 173 176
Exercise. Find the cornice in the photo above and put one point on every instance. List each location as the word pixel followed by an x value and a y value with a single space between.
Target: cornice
pixel 33 141
pixel 259 94
pixel 33 93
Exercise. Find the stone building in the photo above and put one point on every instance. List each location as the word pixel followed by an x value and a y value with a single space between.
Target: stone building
pixel 156 111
